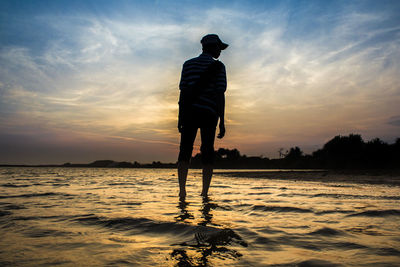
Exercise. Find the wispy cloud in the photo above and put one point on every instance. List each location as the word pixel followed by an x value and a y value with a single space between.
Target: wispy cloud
pixel 295 75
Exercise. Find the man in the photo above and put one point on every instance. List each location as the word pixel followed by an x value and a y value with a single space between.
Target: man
pixel 201 104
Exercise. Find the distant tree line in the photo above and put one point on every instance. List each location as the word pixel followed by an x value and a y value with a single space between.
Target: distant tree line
pixel 349 152
pixel 122 164
pixel 341 152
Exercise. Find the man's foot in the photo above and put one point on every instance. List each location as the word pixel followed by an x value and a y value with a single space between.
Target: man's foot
pixel 206 199
pixel 204 194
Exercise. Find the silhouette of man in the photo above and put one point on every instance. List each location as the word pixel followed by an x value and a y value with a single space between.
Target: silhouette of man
pixel 201 104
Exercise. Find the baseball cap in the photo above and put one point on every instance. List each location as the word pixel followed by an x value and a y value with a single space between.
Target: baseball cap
pixel 213 39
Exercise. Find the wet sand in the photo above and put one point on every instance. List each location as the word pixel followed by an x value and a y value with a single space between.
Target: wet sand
pixel 388 177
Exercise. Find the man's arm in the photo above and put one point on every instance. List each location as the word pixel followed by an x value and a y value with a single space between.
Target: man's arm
pixel 221 85
pixel 221 114
pixel 181 111
pixel 182 89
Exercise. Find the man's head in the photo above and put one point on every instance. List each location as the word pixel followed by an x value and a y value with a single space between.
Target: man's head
pixel 213 45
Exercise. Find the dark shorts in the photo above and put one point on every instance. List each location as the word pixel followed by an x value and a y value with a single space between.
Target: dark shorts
pixel 207 122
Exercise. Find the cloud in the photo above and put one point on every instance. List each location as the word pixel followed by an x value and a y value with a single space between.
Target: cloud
pixel 395 121
pixel 294 74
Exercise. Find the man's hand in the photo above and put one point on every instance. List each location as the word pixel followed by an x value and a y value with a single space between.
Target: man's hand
pixel 221 131
pixel 180 126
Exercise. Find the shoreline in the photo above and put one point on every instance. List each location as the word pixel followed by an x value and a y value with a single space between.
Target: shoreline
pixel 361 176
pixel 387 177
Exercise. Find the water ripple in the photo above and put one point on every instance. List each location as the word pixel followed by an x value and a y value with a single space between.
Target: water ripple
pixel 281 209
pixel 377 213
pixel 133 217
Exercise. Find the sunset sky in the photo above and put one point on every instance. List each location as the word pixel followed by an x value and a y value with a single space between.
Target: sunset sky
pixel 88 80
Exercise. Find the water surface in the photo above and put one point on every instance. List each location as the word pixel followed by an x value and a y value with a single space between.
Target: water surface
pixel 74 216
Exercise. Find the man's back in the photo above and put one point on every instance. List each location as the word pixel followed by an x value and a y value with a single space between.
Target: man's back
pixel 193 71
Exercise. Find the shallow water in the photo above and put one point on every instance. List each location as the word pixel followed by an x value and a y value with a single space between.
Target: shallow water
pixel 73 216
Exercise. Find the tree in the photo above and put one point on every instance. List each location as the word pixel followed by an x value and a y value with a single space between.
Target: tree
pixel 294 153
pixel 281 153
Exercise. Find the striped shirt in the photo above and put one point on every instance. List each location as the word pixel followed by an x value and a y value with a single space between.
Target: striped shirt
pixel 206 97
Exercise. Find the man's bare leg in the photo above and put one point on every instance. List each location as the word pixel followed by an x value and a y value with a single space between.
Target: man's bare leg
pixel 183 168
pixel 207 175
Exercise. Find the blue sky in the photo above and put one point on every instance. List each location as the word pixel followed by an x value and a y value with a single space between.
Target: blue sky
pixel 86 80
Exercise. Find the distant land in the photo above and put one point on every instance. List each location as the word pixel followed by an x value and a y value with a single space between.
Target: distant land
pixel 341 152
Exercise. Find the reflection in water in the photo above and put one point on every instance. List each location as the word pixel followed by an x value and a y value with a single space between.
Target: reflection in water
pixel 206 211
pixel 98 217
pixel 207 240
pixel 202 260
pixel 183 212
